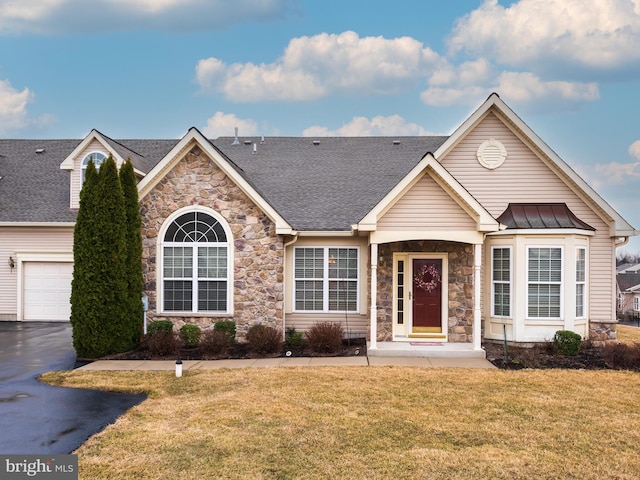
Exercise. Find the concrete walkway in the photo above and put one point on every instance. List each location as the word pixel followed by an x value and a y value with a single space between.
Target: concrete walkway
pixel 290 362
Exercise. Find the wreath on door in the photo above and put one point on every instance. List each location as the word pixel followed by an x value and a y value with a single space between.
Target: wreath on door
pixel 427 278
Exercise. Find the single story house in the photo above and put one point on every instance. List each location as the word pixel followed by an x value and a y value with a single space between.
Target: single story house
pixel 428 240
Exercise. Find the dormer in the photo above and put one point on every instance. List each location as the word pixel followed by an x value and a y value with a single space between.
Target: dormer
pixel 96 147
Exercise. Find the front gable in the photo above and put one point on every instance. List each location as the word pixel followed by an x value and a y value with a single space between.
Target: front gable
pixel 428 199
pixel 94 142
pixel 532 172
pixel 195 139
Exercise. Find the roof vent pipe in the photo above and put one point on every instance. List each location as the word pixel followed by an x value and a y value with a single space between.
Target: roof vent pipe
pixel 236 141
pixel 255 149
pixel 262 140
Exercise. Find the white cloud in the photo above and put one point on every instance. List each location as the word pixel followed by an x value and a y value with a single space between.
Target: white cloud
pixel 223 125
pixel 324 64
pixel 519 88
pixel 634 149
pixel 14 115
pixel 73 16
pixel 363 127
pixel 614 173
pixel 596 35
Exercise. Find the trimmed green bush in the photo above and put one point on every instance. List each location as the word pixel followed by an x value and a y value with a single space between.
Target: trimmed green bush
pixel 293 338
pixel 214 343
pixel 159 326
pixel 325 337
pixel 190 335
pixel 567 342
pixel 264 340
pixel 228 327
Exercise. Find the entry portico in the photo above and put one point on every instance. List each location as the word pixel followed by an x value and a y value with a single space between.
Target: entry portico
pixel 427 235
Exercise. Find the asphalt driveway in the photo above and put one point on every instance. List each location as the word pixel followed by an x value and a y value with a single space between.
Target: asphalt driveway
pixel 37 418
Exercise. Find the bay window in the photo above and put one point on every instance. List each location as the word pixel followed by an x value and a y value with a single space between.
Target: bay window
pixel 501 281
pixel 581 281
pixel 544 282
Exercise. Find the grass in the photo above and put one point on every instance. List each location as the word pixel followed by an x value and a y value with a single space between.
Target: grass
pixel 367 423
pixel 628 334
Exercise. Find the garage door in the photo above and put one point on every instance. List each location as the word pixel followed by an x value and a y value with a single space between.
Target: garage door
pixel 47 289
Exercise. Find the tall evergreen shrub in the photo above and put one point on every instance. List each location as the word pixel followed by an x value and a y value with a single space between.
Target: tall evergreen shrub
pixel 133 250
pixel 84 297
pixel 99 289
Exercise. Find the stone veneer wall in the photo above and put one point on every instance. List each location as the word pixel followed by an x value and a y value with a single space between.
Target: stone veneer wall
pixel 460 289
pixel 258 277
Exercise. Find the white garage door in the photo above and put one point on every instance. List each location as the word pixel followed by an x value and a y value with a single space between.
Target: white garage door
pixel 47 289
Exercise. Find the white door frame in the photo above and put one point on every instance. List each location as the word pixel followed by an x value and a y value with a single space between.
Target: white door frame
pixel 403 292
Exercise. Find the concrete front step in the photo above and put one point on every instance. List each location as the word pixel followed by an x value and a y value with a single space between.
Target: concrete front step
pixel 424 349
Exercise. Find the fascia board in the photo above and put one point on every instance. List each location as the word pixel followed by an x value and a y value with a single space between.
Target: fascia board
pixel 194 137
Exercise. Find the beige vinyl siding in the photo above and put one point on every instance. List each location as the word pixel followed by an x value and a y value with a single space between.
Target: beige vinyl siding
pixel 353 324
pixel 76 173
pixel 426 206
pixel 15 241
pixel 524 177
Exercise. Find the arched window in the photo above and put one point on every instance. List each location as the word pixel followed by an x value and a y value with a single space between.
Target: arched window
pixel 196 265
pixel 97 158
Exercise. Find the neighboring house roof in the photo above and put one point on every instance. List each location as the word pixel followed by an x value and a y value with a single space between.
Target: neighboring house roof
pixel 33 189
pixel 541 216
pixel 626 281
pixel 630 268
pixel 326 183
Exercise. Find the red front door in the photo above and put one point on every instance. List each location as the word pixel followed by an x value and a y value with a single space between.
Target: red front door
pixel 427 295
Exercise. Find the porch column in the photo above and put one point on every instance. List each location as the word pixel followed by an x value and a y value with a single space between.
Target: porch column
pixel 374 297
pixel 477 330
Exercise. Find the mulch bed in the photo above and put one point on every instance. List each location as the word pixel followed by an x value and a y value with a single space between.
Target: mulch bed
pixel 543 357
pixel 353 347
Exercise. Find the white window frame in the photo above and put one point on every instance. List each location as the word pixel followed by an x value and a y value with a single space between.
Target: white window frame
pixel 582 283
pixel 195 278
pixel 636 304
pixel 85 162
pixel 325 278
pixel 560 282
pixel 502 282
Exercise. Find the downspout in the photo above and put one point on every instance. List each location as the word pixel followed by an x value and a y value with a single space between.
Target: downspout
pixel 284 276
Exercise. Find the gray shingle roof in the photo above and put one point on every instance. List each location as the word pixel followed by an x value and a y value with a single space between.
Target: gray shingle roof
pixel 627 280
pixel 32 187
pixel 329 185
pixel 315 184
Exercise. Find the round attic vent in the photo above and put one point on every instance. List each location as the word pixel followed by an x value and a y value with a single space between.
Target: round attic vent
pixel 491 153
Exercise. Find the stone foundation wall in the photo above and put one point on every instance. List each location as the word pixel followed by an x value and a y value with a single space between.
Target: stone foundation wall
pixel 602 332
pixel 460 287
pixel 258 277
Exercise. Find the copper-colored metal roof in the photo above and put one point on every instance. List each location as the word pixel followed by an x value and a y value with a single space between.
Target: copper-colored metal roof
pixel 541 216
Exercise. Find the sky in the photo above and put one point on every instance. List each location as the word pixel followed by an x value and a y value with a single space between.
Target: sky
pixel 154 68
